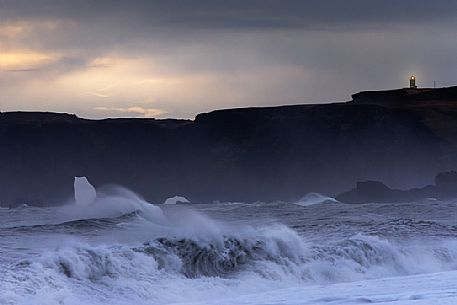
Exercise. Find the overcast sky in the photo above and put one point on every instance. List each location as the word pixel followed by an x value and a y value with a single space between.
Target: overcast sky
pixel 178 58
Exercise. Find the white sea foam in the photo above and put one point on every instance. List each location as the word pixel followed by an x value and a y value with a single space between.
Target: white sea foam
pixel 424 289
pixel 111 201
pixel 81 273
pixel 164 257
pixel 314 198
pixel 176 199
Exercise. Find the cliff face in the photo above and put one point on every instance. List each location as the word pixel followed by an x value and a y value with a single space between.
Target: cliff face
pixel 238 154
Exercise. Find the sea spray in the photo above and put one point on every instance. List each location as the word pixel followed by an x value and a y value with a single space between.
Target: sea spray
pixel 314 198
pixel 176 200
pixel 123 250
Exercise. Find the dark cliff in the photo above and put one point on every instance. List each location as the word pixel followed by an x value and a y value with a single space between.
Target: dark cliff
pixel 237 154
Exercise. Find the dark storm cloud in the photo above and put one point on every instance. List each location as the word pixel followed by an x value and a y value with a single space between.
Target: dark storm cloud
pixel 254 14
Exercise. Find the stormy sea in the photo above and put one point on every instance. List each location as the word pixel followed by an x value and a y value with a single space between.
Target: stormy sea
pixel 120 249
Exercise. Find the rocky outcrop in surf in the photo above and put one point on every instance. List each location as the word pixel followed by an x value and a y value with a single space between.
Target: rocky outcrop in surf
pixel 445 188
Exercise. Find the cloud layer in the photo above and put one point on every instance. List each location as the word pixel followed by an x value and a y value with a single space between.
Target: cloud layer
pixel 178 58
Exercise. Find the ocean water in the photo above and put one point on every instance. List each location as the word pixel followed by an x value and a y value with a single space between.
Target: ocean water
pixel 123 250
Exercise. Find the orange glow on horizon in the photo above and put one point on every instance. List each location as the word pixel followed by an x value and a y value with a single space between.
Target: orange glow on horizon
pixel 24 60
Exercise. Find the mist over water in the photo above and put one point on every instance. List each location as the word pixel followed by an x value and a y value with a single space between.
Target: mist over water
pixel 119 249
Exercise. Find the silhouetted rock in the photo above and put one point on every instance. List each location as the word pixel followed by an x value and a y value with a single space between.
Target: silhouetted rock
pixel 369 190
pixel 272 153
pixel 377 192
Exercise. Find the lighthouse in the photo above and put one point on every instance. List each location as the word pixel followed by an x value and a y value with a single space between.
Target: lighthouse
pixel 412 82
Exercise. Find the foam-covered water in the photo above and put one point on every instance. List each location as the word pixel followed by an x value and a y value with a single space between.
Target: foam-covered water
pixel 314 198
pixel 122 250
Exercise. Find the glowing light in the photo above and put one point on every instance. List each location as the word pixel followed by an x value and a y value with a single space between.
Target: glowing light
pixel 140 111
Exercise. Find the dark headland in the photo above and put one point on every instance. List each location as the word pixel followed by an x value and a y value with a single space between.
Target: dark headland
pixel 400 137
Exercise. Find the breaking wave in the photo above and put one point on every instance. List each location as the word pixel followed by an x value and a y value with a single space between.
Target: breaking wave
pixel 171 257
pixel 314 198
pixel 262 256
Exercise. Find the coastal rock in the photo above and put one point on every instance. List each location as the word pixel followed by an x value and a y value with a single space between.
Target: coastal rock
pixel 377 192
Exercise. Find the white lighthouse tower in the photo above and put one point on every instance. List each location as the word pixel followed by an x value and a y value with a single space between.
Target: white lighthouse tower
pixel 412 82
